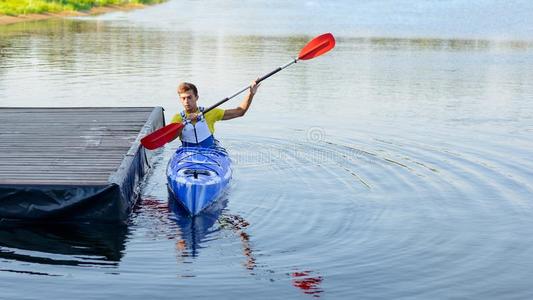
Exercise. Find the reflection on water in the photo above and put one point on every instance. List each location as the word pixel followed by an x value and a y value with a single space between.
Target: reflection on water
pixel 442 44
pixel 99 62
pixel 357 174
pixel 238 225
pixel 198 230
pixel 193 231
pixel 66 244
pixel 308 282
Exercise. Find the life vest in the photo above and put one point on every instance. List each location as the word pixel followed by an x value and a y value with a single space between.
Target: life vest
pixel 198 134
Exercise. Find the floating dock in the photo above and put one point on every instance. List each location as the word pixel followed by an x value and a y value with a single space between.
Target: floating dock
pixel 73 164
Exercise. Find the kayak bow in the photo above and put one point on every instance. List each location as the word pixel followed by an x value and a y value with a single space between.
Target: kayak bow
pixel 198 176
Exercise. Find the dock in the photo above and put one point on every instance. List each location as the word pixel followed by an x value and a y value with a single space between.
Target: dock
pixel 73 164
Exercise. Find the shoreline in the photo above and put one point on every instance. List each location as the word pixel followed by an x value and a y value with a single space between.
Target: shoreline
pixel 6 20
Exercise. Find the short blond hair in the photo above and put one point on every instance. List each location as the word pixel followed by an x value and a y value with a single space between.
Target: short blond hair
pixel 187 86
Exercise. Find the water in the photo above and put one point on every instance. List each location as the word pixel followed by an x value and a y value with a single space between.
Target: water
pixel 396 166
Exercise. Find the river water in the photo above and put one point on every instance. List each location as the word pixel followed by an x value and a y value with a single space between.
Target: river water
pixel 399 165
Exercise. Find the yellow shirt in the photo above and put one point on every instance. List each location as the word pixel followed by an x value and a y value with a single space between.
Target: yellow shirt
pixel 214 115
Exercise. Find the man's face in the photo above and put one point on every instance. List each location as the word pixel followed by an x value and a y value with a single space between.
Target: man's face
pixel 188 100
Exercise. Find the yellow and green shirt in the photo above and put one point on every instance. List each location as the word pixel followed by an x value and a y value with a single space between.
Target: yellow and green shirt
pixel 214 115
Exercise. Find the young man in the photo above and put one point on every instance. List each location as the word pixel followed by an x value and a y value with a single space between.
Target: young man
pixel 199 128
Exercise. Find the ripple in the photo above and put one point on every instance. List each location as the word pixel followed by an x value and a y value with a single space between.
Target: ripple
pixel 414 185
pixel 394 216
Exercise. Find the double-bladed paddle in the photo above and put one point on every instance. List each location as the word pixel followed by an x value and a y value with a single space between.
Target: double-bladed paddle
pixel 316 47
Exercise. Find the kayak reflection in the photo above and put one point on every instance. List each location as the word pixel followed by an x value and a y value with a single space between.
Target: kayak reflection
pixel 63 244
pixel 197 229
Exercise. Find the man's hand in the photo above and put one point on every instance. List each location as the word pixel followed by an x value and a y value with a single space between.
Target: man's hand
pixel 254 86
pixel 240 110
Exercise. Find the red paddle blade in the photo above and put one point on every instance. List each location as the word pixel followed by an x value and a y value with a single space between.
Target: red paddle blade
pixel 162 136
pixel 317 46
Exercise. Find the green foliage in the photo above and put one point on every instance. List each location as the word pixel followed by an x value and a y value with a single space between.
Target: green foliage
pixel 22 7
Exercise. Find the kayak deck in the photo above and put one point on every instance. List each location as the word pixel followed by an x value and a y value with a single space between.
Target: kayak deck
pixel 198 176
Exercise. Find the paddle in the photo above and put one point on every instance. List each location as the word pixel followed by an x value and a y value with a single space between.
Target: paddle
pixel 316 47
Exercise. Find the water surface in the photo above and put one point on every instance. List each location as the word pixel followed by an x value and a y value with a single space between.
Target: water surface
pixel 396 166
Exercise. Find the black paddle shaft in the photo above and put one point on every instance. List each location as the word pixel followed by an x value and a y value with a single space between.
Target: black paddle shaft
pixel 246 88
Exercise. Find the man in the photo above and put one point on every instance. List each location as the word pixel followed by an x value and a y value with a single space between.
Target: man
pixel 199 128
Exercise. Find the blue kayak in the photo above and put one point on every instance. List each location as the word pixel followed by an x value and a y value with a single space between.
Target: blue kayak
pixel 198 176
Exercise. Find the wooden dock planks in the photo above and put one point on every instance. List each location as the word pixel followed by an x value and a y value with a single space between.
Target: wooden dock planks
pixel 72 147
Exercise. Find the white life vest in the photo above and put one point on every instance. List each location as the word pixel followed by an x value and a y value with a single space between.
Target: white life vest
pixel 195 133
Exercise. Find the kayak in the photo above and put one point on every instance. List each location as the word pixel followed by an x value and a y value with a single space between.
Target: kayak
pixel 198 176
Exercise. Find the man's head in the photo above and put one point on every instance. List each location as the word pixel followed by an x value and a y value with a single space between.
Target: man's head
pixel 188 94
